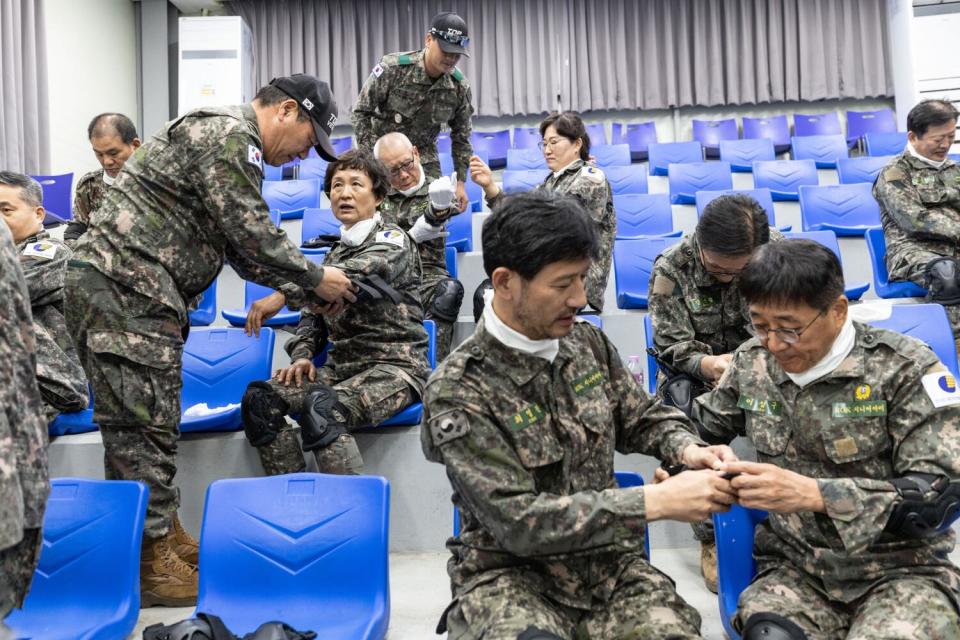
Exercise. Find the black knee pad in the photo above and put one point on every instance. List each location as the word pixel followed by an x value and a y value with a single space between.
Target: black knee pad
pixel 478 299
pixel 770 626
pixel 446 304
pixel 533 633
pixel 323 418
pixel 262 412
pixel 942 279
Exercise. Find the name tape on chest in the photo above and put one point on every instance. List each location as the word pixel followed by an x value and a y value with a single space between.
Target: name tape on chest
pixel 941 388
pixel 526 417
pixel 254 156
pixel 390 236
pixel 41 249
pixel 859 409
pixel 587 381
pixel 760 405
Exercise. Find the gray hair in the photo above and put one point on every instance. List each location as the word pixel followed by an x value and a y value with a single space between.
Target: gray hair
pixel 31 191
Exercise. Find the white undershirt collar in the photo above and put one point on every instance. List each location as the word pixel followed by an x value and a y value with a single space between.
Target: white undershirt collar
pixel 355 235
pixel 932 163
pixel 546 349
pixel 556 174
pixel 839 350
pixel 107 180
pixel 412 190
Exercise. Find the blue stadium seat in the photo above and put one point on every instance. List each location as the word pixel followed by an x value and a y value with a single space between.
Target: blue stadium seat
pixel 87 584
pixel 644 214
pixel 474 192
pixel 313 169
pixel 652 366
pixel 444 143
pixel 710 133
pixel 519 181
pixel 611 155
pixel 861 122
pixel 623 180
pixel 741 154
pixel 954 156
pixel 526 138
pixel 525 159
pixel 784 177
pixel 460 231
pixel 762 196
pixel 74 422
pixel 637 135
pixel 291 197
pixel 663 154
pixel 272 173
pixel 494 144
pixel 218 364
pixel 206 311
pixel 411 415
pixel 735 563
pixel 824 150
pixel 253 292
pixel 877 247
pixel 57 202
pixel 686 179
pixel 632 263
pixel 817 124
pixel 925 322
pixel 880 143
pixel 451 259
pixel 829 240
pixel 862 169
pixel 309 549
pixel 275 217
pixel 597 133
pixel 845 209
pixel 596 321
pixel 342 145
pixel 317 222
pixel 775 128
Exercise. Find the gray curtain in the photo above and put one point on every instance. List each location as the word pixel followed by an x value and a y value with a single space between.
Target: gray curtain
pixel 24 119
pixel 595 54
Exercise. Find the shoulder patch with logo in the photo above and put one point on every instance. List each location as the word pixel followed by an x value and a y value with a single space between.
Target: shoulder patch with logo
pixel 390 236
pixel 592 174
pixel 663 286
pixel 894 173
pixel 41 249
pixel 941 388
pixel 448 426
pixel 254 156
pixel 378 70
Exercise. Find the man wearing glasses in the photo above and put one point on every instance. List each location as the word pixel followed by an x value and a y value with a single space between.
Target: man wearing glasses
pixel 856 435
pixel 919 196
pixel 419 92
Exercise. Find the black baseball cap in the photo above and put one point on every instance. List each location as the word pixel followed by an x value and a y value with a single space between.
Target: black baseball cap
pixel 315 97
pixel 451 32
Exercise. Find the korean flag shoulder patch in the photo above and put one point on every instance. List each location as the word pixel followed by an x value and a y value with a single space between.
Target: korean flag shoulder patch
pixel 378 70
pixel 255 156
pixel 390 236
pixel 41 249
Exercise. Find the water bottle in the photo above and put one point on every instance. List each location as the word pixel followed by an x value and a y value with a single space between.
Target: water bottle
pixel 635 365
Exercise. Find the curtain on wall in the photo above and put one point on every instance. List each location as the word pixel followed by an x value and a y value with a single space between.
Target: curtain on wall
pixel 24 120
pixel 594 54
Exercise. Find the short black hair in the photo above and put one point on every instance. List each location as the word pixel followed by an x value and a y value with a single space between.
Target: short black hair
pixel 532 230
pixel 733 225
pixel 930 113
pixel 359 160
pixel 792 272
pixel 112 122
pixel 30 190
pixel 269 95
pixel 569 125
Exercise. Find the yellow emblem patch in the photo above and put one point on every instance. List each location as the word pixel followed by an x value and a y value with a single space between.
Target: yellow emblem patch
pixel 862 392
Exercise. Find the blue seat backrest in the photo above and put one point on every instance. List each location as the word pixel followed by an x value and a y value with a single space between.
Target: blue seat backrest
pixel 823 150
pixel 519 181
pixel 711 132
pixel 611 155
pixel 735 563
pixel 318 222
pixel 877 248
pixel 632 263
pixel 885 143
pixel 637 135
pixel 623 180
pixel 784 177
pixel 741 154
pixel 928 323
pixel 597 133
pixel 862 169
pixel 663 154
pixel 292 195
pixel 494 144
pixel 846 209
pixel 652 367
pixel 861 122
pixel 342 145
pixel 688 178
pixel 56 197
pixel 817 124
pixel 219 363
pixel 775 128
pixel 525 159
pixel 313 169
pixel 526 138
pixel 206 311
pixel 648 214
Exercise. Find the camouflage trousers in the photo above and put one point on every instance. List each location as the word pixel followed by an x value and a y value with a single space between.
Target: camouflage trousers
pixel 646 607
pixel 131 348
pixel 703 531
pixel 428 292
pixel 370 397
pixel 17 564
pixel 904 607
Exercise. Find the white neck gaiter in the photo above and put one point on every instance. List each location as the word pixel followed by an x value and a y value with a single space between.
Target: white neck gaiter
pixel 546 349
pixel 841 348
pixel 412 190
pixel 556 174
pixel 107 180
pixel 355 235
pixel 932 163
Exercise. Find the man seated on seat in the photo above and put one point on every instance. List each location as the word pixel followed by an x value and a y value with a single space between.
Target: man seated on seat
pixel 919 197
pixel 856 434
pixel 422 207
pixel 377 364
pixel 526 416
pixel 113 137
pixel 62 382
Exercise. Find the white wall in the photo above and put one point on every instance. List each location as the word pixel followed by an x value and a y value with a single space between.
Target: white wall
pixel 91 59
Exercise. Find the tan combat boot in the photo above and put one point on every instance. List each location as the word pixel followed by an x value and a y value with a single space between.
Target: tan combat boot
pixel 165 579
pixel 185 544
pixel 708 565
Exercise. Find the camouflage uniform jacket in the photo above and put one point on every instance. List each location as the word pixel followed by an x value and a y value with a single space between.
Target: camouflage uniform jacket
pixel 529 450
pixel 373 332
pixel 693 314
pixel 403 212
pixel 44 263
pixel 856 428
pixel 89 196
pixel 184 200
pixel 920 212
pixel 400 96
pixel 24 480
pixel 589 184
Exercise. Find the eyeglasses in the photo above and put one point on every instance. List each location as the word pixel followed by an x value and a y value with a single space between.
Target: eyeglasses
pixel 788 336
pixel 552 142
pixel 452 36
pixel 404 167
pixel 719 273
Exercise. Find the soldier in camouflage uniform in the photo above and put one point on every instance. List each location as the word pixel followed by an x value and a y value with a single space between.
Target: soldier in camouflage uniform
pixel 113 137
pixel 24 483
pixel 849 421
pixel 422 208
pixel 919 197
pixel 419 92
pixel 526 416
pixel 566 148
pixel 187 199
pixel 378 361
pixel 697 312
pixel 63 385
